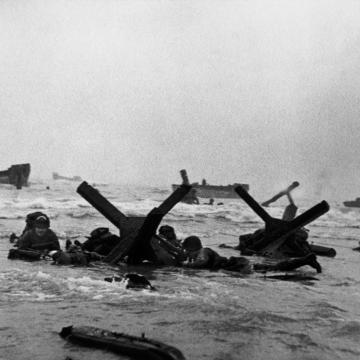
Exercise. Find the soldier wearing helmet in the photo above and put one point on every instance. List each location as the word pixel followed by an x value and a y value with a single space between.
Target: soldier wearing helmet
pixel 206 258
pixel 40 237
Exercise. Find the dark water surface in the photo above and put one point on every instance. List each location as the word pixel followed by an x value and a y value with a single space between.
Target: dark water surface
pixel 206 315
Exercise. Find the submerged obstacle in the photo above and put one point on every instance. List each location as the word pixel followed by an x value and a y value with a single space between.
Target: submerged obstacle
pixel 280 194
pixel 277 231
pixel 205 190
pixel 135 347
pixel 323 250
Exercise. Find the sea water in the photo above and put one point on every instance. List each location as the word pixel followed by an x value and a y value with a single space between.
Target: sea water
pixel 207 315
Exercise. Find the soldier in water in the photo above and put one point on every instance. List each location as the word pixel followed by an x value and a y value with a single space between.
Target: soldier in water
pixel 40 237
pixel 199 257
pixel 191 198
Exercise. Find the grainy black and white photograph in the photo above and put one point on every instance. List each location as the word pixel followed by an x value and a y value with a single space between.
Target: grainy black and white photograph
pixel 179 179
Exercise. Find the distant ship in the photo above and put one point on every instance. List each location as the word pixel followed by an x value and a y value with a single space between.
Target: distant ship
pixel 353 203
pixel 56 176
pixel 205 190
pixel 17 175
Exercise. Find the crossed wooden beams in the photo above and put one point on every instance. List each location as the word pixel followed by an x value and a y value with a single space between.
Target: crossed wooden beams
pixel 135 232
pixel 277 231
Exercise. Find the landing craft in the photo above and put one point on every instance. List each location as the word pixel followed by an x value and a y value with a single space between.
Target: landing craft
pixel 56 176
pixel 287 191
pixel 205 190
pixel 17 175
pixel 352 203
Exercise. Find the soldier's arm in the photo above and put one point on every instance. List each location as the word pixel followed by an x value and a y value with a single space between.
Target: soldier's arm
pixel 24 241
pixel 54 241
pixel 201 261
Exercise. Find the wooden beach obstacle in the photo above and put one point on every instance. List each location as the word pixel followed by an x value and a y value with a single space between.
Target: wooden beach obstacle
pixel 278 231
pixel 184 177
pixel 135 232
pixel 190 197
pixel 291 209
pixel 280 194
pixel 290 213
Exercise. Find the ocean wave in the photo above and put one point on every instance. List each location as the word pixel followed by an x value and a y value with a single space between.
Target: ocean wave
pixel 323 310
pixel 232 212
pixel 298 341
pixel 161 191
pixel 266 318
pixel 41 203
pixel 347 329
pixel 59 285
pixel 82 215
pixel 137 207
pixel 345 281
pixel 14 216
pixel 22 215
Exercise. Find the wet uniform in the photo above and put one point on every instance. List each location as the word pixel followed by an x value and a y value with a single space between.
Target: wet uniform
pixel 296 244
pixel 166 252
pixel 102 244
pixel 31 240
pixel 207 258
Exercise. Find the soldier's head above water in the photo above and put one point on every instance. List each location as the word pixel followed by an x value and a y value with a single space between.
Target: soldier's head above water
pixel 41 224
pixel 98 232
pixel 191 244
pixel 168 232
pixel 31 218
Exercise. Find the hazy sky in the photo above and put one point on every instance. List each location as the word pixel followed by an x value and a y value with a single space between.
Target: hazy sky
pixel 264 92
